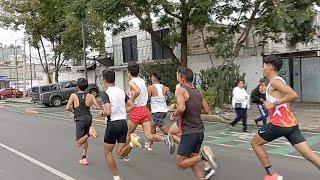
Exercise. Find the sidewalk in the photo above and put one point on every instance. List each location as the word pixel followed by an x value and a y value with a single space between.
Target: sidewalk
pixel 308 114
pixel 26 100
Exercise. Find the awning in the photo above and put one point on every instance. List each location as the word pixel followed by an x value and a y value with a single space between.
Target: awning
pixel 90 67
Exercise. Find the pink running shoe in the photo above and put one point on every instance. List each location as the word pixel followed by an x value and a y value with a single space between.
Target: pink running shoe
pixel 93 132
pixel 275 176
pixel 84 161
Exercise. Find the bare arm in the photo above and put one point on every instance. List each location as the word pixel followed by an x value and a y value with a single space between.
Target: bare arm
pixel 290 94
pixel 181 100
pixel 204 107
pixel 134 90
pixel 106 110
pixel 70 103
pixel 95 104
pixel 130 105
pixel 150 90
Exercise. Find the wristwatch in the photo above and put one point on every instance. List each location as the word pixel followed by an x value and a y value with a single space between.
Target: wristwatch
pixel 276 103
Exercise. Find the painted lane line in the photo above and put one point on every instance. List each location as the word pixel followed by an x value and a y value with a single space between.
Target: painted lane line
pixel 38 163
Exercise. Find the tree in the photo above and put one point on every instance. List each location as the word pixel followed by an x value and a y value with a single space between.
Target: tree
pixel 263 19
pixel 178 15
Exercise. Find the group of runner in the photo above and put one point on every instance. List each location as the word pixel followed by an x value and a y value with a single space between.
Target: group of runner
pixel 188 131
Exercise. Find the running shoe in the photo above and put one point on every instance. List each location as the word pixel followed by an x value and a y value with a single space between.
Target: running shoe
pixel 168 141
pixel 84 161
pixel 209 173
pixel 207 155
pixel 148 146
pixel 127 159
pixel 93 132
pixel 274 176
pixel 135 140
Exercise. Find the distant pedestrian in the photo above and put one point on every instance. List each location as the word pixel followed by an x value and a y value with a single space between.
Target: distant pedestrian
pixel 240 102
pixel 258 96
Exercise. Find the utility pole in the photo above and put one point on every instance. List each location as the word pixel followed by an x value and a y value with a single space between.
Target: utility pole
pixel 16 54
pixel 24 68
pixel 84 48
pixel 30 65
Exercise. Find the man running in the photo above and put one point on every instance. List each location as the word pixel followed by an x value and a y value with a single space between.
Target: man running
pixel 80 103
pixel 140 114
pixel 159 94
pixel 190 105
pixel 114 108
pixel 283 123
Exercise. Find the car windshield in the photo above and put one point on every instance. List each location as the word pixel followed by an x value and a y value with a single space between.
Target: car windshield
pixel 49 88
pixel 35 89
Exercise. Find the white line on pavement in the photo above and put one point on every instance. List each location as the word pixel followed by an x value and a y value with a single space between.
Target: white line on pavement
pixel 38 163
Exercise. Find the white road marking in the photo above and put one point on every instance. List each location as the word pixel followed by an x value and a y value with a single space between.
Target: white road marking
pixel 38 163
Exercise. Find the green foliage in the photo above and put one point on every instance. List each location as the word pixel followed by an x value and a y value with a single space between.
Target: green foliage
pixel 210 95
pixel 212 80
pixel 167 71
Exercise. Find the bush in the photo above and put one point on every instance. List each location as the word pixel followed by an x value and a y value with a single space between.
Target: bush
pixel 167 70
pixel 221 83
pixel 210 96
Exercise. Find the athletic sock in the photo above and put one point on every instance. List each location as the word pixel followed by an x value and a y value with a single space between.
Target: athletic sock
pixel 206 168
pixel 84 157
pixel 116 177
pixel 269 170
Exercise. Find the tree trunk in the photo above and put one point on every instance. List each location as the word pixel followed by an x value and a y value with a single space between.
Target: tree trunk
pixel 184 43
pixel 43 67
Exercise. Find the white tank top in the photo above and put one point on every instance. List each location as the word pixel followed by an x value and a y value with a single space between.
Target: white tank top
pixel 268 96
pixel 142 99
pixel 158 103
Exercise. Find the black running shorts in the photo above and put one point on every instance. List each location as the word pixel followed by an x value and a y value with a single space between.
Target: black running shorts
pixel 159 118
pixel 116 131
pixel 190 143
pixel 272 132
pixel 82 128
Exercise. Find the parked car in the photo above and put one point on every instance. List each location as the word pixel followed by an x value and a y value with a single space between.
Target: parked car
pixel 61 92
pixel 10 93
pixel 37 90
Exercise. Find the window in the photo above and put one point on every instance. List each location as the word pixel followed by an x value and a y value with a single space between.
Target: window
pixel 129 49
pixel 157 52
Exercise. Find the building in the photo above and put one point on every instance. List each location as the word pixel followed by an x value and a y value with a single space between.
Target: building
pixel 300 70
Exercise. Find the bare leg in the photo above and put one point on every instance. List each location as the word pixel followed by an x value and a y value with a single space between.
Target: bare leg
pixel 153 131
pixel 123 150
pixel 108 148
pixel 147 131
pixel 258 147
pixel 175 132
pixel 84 148
pixel 185 162
pixel 82 140
pixel 305 150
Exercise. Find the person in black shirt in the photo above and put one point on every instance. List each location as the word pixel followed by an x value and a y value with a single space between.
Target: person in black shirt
pixel 258 96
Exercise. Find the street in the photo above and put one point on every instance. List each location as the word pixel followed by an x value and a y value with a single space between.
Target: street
pixel 41 146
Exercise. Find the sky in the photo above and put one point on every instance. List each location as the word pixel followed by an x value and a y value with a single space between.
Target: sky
pixel 8 37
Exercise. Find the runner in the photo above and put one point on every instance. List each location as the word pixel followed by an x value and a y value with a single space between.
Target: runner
pixel 159 94
pixel 283 123
pixel 114 108
pixel 79 103
pixel 190 105
pixel 140 113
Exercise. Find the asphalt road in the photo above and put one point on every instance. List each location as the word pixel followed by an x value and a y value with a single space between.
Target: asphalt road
pixel 42 146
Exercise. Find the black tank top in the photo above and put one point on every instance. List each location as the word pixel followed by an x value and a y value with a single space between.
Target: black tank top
pixel 190 121
pixel 82 112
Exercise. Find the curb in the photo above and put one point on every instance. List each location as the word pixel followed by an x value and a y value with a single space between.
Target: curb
pixel 20 102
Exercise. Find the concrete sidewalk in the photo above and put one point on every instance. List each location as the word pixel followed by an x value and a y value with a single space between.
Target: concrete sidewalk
pixel 308 114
